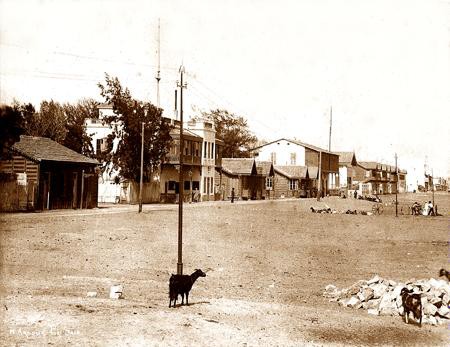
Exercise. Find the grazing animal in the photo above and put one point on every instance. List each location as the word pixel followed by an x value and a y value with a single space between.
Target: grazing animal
pixel 181 285
pixel 444 273
pixel 411 303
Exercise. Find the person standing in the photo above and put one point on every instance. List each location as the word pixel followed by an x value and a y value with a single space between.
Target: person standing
pixel 232 195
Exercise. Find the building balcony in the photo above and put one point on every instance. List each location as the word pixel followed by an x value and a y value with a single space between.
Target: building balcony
pixel 187 159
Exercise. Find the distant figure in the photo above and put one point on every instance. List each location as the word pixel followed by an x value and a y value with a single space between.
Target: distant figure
pixel 430 208
pixel 232 195
pixel 355 194
pixel 196 195
pixel 416 209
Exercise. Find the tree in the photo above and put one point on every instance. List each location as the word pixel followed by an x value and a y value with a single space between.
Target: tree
pixel 76 137
pixel 234 131
pixel 11 127
pixel 49 122
pixel 126 123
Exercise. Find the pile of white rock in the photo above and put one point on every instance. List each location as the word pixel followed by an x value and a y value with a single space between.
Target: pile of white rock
pixel 382 297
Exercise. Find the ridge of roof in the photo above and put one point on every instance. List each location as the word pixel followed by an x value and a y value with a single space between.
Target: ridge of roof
pixel 297 142
pixel 41 149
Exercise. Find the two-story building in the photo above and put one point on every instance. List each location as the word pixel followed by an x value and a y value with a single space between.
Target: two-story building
pixel 202 155
pixel 374 178
pixel 285 152
pixel 201 152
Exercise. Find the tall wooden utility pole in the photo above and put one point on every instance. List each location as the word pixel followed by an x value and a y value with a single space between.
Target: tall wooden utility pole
pixel 181 85
pixel 142 169
pixel 158 74
pixel 319 182
pixel 331 122
pixel 432 186
pixel 396 186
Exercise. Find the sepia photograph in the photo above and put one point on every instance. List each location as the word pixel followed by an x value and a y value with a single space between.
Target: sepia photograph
pixel 224 173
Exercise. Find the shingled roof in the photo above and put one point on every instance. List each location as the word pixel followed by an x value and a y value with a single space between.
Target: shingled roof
pixel 369 165
pixel 292 172
pixel 264 168
pixel 300 143
pixel 41 149
pixel 239 166
pixel 347 158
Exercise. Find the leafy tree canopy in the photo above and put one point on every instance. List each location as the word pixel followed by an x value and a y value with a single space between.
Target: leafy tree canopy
pixel 64 124
pixel 49 122
pixel 234 131
pixel 11 127
pixel 127 126
pixel 76 114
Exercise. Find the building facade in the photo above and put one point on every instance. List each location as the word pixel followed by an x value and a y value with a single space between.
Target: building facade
pixel 285 152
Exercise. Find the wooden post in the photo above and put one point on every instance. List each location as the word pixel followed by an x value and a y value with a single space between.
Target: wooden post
pixel 319 182
pixel 82 188
pixel 142 168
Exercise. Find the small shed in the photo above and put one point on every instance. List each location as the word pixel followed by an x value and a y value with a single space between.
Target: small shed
pixel 291 181
pixel 47 175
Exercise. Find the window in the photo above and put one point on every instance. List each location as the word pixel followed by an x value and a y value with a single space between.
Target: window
pixel 269 183
pixel 204 185
pixel 212 150
pixel 211 185
pixel 293 184
pixel 204 150
pixel 172 185
pixel 273 158
pixel 293 158
pixel 196 149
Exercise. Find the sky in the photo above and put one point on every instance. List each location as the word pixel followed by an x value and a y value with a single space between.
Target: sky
pixel 381 68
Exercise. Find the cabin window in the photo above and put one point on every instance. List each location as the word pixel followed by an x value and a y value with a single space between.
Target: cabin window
pixel 269 183
pixel 293 184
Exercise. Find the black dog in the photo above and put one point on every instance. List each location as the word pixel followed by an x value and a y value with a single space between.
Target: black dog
pixel 444 273
pixel 411 303
pixel 181 285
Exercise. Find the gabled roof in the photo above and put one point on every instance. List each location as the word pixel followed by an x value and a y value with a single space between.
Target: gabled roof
pixel 347 158
pixel 368 165
pixel 239 166
pixel 303 144
pixel 264 168
pixel 292 172
pixel 41 149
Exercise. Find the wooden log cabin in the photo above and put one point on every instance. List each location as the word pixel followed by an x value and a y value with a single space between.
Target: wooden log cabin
pixel 42 174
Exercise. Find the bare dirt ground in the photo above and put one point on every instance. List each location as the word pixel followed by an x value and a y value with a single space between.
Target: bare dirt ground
pixel 267 265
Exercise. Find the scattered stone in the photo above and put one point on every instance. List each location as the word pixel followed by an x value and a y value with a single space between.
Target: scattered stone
pixel 382 297
pixel 353 302
pixel 378 290
pixel 116 292
pixel 444 311
pixel 91 294
pixel 429 309
pixel 375 279
pixel 366 294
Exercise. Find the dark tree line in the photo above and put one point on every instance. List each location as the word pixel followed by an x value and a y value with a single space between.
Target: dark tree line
pixel 65 124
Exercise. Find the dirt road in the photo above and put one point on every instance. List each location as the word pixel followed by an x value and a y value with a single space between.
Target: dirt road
pixel 267 265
